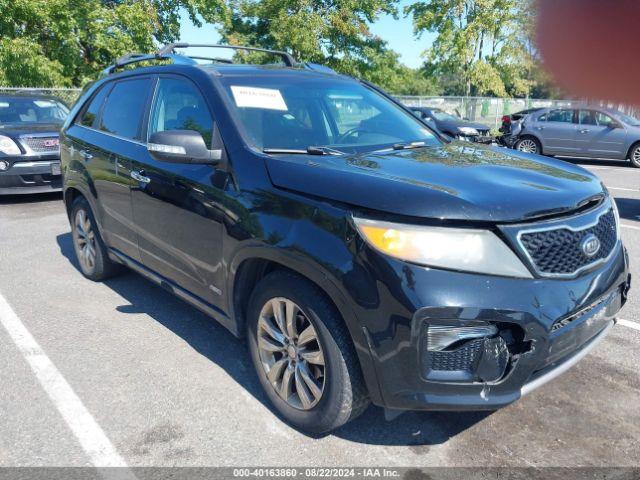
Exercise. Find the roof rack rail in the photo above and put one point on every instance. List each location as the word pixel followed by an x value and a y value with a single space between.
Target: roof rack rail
pixel 170 48
pixel 144 57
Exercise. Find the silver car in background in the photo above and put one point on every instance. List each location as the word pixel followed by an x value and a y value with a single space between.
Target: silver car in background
pixel 581 132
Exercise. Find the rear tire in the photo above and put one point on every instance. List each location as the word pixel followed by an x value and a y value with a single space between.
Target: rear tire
pixel 634 155
pixel 528 144
pixel 311 374
pixel 90 249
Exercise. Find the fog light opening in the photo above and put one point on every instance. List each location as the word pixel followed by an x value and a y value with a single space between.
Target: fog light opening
pixel 448 337
pixel 4 165
pixel 474 352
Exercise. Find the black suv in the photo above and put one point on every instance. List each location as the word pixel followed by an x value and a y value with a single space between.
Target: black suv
pixel 29 144
pixel 363 257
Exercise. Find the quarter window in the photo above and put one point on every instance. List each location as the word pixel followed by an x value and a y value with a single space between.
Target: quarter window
pixel 88 118
pixel 180 106
pixel 124 108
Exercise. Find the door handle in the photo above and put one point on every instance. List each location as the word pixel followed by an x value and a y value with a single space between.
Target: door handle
pixel 136 175
pixel 584 130
pixel 539 128
pixel 86 155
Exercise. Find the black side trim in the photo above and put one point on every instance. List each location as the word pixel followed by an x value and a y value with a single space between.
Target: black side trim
pixel 178 291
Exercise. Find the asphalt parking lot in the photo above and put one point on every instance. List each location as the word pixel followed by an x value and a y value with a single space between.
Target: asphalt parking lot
pixel 161 385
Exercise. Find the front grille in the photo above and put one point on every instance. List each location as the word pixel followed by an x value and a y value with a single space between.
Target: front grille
pixel 41 144
pixel 559 252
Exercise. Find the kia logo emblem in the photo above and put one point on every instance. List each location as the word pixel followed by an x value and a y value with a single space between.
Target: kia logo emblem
pixel 590 245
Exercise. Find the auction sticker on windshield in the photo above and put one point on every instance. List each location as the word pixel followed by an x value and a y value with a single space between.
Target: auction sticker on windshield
pixel 252 97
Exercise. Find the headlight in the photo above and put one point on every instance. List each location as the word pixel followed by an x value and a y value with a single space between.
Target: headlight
pixel 479 251
pixel 8 146
pixel 468 130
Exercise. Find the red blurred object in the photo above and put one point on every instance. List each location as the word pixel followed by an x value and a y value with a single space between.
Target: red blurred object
pixel 590 47
pixel 506 119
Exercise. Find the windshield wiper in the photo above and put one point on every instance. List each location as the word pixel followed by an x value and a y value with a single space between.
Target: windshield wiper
pixel 311 150
pixel 408 145
pixel 319 150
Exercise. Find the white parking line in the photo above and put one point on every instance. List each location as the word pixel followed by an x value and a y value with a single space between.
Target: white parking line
pixel 629 323
pixel 632 227
pixel 624 189
pixel 91 437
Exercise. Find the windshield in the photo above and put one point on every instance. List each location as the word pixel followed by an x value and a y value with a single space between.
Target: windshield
pixel 25 110
pixel 629 120
pixel 295 112
pixel 444 116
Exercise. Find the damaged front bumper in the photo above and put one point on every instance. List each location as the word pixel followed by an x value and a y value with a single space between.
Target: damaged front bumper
pixel 540 328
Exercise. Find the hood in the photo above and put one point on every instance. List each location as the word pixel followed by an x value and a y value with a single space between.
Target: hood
pixel 18 130
pixel 452 125
pixel 456 181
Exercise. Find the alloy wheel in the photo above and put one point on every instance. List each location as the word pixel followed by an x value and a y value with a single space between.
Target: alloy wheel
pixel 528 146
pixel 85 240
pixel 290 353
pixel 635 156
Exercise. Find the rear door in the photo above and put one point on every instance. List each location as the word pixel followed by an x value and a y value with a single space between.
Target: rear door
pixel 557 131
pixel 598 138
pixel 105 138
pixel 178 207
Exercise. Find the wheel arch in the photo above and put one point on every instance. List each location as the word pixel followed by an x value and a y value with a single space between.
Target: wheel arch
pixel 252 264
pixel 631 147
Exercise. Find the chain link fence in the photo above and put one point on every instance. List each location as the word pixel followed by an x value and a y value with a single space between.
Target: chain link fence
pixel 489 110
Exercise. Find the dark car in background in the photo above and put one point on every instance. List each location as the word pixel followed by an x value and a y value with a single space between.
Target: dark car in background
pixel 593 132
pixel 364 257
pixel 453 126
pixel 29 143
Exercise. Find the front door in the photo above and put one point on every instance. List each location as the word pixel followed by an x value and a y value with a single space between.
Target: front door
pixel 599 135
pixel 177 207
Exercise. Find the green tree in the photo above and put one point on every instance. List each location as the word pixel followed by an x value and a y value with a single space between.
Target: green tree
pixel 332 32
pixel 67 42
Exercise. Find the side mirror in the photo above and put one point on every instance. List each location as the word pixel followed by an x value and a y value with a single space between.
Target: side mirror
pixel 181 146
pixel 614 124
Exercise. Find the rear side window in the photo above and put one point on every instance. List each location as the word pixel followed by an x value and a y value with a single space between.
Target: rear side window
pixel 563 116
pixel 125 107
pixel 88 118
pixel 180 106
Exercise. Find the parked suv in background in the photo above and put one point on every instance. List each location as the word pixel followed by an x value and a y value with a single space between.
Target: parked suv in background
pixel 363 257
pixel 29 144
pixel 581 132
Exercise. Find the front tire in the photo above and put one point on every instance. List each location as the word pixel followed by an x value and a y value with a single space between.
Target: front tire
pixel 90 249
pixel 634 155
pixel 303 355
pixel 528 145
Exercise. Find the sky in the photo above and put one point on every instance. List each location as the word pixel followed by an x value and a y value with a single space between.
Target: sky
pixel 398 33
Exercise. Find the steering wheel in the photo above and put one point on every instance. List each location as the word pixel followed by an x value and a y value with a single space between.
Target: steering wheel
pixel 350 133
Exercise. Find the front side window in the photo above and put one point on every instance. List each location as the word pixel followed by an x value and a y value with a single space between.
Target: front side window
pixel 124 108
pixel 295 112
pixel 178 105
pixel 603 119
pixel 17 110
